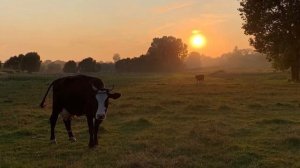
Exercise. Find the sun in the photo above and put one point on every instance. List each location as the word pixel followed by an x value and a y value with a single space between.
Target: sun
pixel 198 40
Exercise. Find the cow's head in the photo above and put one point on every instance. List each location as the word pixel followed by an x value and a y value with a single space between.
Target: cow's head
pixel 102 97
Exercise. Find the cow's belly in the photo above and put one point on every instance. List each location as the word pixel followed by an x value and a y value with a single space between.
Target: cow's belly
pixel 75 105
pixel 66 115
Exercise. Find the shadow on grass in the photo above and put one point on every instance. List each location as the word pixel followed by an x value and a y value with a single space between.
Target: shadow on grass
pixel 292 143
pixel 245 159
pixel 15 136
pixel 275 121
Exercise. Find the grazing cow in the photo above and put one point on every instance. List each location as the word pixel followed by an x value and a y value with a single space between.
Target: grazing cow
pixel 79 95
pixel 199 78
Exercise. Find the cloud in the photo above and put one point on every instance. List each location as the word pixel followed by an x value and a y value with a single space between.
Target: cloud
pixel 211 19
pixel 172 7
pixel 206 20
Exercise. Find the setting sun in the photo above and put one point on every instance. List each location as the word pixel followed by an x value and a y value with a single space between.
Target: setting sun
pixel 198 40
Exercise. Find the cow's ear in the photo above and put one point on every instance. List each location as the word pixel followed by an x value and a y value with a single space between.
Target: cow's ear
pixel 114 95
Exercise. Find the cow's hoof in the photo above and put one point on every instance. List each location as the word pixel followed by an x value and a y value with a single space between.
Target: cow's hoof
pixel 72 139
pixel 53 141
pixel 91 146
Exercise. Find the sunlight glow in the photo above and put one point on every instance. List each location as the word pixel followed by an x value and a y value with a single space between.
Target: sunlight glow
pixel 198 40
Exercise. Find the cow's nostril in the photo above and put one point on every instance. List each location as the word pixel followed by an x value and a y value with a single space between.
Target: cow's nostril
pixel 100 117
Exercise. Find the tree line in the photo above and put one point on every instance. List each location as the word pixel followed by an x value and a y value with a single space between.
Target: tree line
pixel 247 59
pixel 31 62
pixel 165 54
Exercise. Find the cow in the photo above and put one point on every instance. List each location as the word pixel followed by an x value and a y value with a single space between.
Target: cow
pixel 199 78
pixel 76 96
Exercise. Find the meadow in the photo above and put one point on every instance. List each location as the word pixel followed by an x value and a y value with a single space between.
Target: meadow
pixel 162 120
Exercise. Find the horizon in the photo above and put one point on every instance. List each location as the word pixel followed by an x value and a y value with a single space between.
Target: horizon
pixel 60 30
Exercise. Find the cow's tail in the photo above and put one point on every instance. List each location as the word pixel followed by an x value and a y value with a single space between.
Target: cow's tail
pixel 42 105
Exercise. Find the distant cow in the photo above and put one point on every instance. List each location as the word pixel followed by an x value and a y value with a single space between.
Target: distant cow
pixel 79 95
pixel 199 78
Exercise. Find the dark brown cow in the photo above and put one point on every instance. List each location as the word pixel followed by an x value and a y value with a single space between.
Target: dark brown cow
pixel 79 95
pixel 199 78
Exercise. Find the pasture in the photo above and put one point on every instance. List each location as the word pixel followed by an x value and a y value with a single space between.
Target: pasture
pixel 166 120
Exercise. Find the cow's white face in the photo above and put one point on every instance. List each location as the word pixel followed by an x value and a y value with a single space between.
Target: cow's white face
pixel 102 100
pixel 102 97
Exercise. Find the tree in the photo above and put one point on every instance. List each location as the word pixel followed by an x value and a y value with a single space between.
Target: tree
pixel 116 57
pixel 88 65
pixel 107 66
pixel 31 62
pixel 53 67
pixel 70 67
pixel 243 58
pixel 98 67
pixel 168 53
pixel 193 60
pixel 275 30
pixel 165 54
pixel 14 62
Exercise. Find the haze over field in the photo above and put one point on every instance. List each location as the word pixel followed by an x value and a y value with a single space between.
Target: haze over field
pixel 150 83
pixel 64 30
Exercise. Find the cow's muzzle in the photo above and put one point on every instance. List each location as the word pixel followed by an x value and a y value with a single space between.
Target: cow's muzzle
pixel 100 117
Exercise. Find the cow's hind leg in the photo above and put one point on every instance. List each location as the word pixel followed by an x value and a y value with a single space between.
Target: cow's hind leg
pixel 69 130
pixel 53 118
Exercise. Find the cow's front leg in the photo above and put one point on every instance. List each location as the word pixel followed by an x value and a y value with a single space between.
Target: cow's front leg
pixel 91 131
pixel 69 130
pixel 97 123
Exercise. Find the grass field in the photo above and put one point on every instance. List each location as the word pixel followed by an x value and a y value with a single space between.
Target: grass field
pixel 230 120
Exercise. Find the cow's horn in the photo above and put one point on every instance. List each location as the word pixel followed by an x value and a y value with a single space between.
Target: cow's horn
pixel 112 88
pixel 94 88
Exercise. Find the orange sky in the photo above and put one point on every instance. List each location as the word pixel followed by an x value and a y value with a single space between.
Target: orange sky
pixel 64 30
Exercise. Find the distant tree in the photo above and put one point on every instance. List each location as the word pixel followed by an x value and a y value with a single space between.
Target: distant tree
pixel 165 54
pixel 53 67
pixel 0 65
pixel 31 62
pixel 193 60
pixel 70 67
pixel 274 27
pixel 107 66
pixel 46 62
pixel 243 58
pixel 116 57
pixel 168 53
pixel 123 65
pixel 98 67
pixel 14 62
pixel 88 65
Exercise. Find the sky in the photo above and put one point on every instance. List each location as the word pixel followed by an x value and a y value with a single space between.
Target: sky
pixel 76 29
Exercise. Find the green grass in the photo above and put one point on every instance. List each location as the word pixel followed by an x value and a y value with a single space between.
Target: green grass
pixel 230 120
